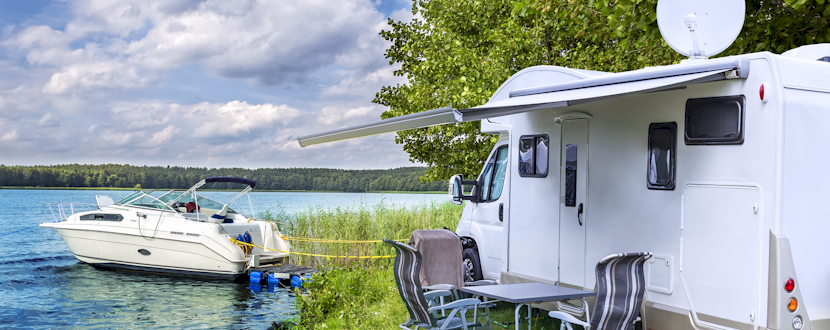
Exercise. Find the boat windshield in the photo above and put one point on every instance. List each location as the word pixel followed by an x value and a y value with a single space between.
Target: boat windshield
pixel 203 201
pixel 130 197
pixel 149 201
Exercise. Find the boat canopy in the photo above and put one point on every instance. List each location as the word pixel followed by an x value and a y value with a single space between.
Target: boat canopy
pixel 251 183
pixel 552 96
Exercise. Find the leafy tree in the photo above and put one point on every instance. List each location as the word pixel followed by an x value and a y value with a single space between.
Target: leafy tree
pixel 461 51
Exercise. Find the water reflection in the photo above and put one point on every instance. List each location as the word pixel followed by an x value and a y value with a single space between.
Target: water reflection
pixel 79 295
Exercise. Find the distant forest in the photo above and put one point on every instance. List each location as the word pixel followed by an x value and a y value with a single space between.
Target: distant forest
pixel 157 177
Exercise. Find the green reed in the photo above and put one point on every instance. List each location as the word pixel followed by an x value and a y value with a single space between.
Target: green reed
pixel 365 223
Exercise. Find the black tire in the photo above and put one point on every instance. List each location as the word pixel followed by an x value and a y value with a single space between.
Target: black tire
pixel 471 265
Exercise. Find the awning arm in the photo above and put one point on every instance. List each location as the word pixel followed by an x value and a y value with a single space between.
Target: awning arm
pixel 406 122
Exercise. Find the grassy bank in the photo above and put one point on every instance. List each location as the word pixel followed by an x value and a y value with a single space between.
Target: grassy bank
pixel 361 293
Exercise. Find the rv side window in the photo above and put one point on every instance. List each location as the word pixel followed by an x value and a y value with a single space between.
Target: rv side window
pixel 715 120
pixel 492 179
pixel 662 147
pixel 533 155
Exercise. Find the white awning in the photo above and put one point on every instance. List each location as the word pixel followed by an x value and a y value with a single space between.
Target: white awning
pixel 570 97
pixel 559 95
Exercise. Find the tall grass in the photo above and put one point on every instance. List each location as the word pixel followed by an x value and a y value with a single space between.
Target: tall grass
pixel 364 223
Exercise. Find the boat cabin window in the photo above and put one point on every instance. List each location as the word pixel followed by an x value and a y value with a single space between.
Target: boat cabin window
pixel 492 178
pixel 662 148
pixel 533 155
pixel 102 217
pixel 715 120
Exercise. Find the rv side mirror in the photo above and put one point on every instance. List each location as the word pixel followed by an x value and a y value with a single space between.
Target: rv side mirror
pixel 456 190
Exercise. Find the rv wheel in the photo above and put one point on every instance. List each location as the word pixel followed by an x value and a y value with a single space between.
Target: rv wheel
pixel 471 264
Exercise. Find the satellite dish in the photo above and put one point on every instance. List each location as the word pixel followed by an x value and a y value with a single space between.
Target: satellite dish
pixel 700 28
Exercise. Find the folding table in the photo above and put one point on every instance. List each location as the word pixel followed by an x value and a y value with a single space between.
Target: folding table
pixel 524 294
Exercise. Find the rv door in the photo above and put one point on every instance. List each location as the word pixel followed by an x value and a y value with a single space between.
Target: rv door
pixel 572 219
pixel 490 212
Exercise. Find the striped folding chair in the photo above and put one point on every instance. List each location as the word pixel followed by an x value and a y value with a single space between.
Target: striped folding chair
pixel 620 289
pixel 407 269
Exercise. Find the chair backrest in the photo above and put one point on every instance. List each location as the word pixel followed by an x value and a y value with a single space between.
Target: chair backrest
pixel 620 289
pixel 407 269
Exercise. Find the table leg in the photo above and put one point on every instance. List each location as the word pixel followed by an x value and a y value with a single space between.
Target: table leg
pixel 529 316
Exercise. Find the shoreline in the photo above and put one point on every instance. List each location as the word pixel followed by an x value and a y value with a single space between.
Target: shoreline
pixel 235 190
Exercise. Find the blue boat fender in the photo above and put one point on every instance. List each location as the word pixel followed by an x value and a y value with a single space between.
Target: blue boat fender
pixel 256 277
pixel 297 281
pixel 248 240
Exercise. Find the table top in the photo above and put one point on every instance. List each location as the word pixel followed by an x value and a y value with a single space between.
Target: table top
pixel 527 292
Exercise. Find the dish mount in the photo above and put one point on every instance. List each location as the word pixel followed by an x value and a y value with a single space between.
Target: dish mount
pixel 700 28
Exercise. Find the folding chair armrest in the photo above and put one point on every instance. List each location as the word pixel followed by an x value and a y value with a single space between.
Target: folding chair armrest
pixel 469 302
pixel 436 293
pixel 480 283
pixel 569 318
pixel 449 287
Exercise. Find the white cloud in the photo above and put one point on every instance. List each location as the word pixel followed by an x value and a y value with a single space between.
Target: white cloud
pixel 10 136
pixel 100 75
pixel 49 120
pixel 163 136
pixel 236 118
pixel 340 117
pixel 360 83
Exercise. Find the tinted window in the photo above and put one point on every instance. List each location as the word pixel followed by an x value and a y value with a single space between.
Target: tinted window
pixel 661 155
pixel 570 174
pixel 526 155
pixel 486 179
pixel 102 217
pixel 533 155
pixel 542 152
pixel 492 178
pixel 498 175
pixel 717 120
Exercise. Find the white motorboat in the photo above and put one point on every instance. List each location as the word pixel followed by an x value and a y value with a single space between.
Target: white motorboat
pixel 173 232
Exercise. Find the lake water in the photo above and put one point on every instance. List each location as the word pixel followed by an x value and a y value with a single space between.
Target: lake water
pixel 42 285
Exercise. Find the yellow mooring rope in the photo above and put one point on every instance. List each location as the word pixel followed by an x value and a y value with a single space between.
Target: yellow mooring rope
pixel 323 240
pixel 309 254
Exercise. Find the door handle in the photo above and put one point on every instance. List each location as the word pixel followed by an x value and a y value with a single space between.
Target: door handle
pixel 579 214
pixel 501 212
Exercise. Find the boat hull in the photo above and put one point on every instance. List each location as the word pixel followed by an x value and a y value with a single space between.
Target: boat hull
pixel 163 255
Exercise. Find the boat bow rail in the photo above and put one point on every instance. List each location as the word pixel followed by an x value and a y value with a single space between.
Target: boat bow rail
pixel 61 211
pixel 551 96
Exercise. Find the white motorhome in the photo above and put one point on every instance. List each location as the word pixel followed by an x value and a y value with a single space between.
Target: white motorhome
pixel 717 166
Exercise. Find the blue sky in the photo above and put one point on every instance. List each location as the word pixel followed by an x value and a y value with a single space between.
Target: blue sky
pixel 208 83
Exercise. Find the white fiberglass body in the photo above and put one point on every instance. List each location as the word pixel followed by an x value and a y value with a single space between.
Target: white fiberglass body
pixel 175 232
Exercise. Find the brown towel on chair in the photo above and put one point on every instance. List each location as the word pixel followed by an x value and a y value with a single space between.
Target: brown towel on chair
pixel 440 257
